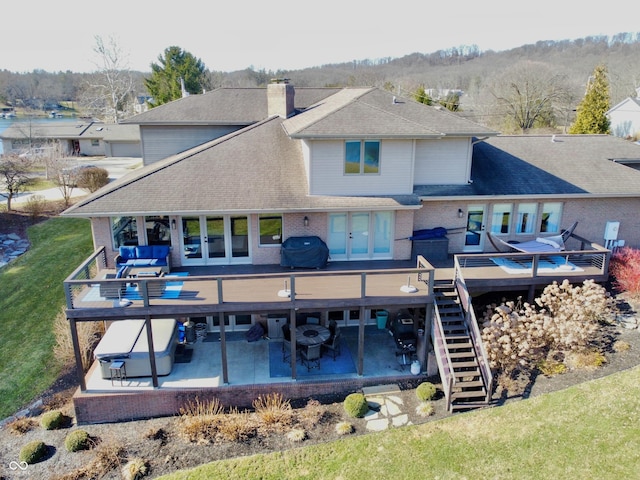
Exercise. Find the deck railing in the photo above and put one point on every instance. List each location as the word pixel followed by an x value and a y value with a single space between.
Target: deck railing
pixel 232 293
pixel 474 333
pixel 445 364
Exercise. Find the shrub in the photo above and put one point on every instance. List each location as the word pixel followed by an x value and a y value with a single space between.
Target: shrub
pixel 88 334
pixel 236 426
pixel 344 428
pixel 33 452
pixel 135 469
pixel 625 268
pixel 92 178
pixel 53 420
pixel 426 391
pixel 356 405
pixel 425 409
pixel 21 425
pixel 273 409
pixel 564 317
pixel 551 367
pixel 621 346
pixel 35 205
pixel 199 420
pixel 77 440
pixel 297 435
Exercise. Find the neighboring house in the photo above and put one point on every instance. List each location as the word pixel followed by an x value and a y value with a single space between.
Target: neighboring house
pixel 625 117
pixel 81 138
pixel 357 167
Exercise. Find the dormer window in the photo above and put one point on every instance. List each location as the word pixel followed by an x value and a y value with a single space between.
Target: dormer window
pixel 362 157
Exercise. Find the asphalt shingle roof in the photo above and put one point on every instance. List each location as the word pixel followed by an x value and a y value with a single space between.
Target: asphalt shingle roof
pixel 535 165
pixel 258 168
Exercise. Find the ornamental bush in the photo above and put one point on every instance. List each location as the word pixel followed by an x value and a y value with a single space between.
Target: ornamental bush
pixel 356 405
pixel 563 318
pixel 625 268
pixel 426 391
pixel 33 452
pixel 77 440
pixel 53 420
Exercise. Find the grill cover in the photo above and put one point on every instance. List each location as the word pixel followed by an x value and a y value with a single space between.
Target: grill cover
pixel 304 252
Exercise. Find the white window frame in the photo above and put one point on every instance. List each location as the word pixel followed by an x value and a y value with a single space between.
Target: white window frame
pixel 498 212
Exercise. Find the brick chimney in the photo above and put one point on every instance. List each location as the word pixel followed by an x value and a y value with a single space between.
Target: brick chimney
pixel 280 96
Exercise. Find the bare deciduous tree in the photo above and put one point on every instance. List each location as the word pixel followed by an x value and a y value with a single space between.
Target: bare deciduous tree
pixel 112 85
pixel 14 171
pixel 527 93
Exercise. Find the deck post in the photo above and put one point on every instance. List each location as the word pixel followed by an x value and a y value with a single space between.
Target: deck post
pixel 152 353
pixel 363 294
pixel 223 336
pixel 292 321
pixel 76 352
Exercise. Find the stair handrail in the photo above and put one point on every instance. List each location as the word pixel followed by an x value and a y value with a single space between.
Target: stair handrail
pixel 445 365
pixel 474 332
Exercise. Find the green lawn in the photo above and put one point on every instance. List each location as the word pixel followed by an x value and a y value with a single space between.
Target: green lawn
pixel 31 295
pixel 590 431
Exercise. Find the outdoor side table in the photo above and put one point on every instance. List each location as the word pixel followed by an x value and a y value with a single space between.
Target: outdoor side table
pixel 118 371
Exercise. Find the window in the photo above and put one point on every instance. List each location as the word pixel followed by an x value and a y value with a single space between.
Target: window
pixel 550 221
pixel 362 157
pixel 501 218
pixel 158 230
pixel 95 142
pixel 270 229
pixel 124 231
pixel 526 220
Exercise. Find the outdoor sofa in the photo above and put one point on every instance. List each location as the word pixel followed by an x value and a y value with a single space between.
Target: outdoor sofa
pixel 144 256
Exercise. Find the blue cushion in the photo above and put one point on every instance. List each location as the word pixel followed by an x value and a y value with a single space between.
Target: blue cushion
pixel 121 272
pixel 160 251
pixel 127 252
pixel 144 251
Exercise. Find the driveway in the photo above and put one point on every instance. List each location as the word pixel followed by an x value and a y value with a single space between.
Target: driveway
pixel 116 166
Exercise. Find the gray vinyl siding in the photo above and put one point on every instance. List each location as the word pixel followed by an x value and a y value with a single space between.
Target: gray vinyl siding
pixel 327 175
pixel 443 161
pixel 159 142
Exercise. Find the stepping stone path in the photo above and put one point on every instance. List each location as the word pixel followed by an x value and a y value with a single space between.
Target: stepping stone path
pixel 11 247
pixel 385 408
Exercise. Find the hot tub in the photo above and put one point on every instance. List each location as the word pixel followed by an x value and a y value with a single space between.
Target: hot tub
pixel 126 340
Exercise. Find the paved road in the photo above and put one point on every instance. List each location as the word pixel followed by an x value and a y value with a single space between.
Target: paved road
pixel 116 166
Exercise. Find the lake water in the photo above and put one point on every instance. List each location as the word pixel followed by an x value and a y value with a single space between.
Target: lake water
pixel 4 123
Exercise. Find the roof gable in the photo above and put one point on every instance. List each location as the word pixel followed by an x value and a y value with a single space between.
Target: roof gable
pixel 375 113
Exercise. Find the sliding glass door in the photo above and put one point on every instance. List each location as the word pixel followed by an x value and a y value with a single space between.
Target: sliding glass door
pixel 216 240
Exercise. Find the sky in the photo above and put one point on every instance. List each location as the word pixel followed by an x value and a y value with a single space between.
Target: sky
pixel 271 35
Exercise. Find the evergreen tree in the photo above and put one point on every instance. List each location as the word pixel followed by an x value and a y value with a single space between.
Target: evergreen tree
pixel 174 67
pixel 421 96
pixel 592 111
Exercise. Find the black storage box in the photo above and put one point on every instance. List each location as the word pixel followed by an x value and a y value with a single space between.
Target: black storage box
pixel 304 252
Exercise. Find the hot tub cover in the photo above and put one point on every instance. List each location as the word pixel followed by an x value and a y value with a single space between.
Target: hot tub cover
pixel 304 252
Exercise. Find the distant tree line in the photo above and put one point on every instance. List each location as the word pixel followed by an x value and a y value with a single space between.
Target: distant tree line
pixel 533 86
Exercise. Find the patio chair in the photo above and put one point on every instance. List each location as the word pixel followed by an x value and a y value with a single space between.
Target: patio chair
pixel 333 344
pixel 286 342
pixel 311 356
pixel 553 244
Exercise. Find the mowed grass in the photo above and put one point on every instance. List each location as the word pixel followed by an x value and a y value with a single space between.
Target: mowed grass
pixel 590 431
pixel 31 295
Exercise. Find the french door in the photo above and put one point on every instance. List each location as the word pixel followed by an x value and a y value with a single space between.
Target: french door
pixel 474 236
pixel 215 240
pixel 360 235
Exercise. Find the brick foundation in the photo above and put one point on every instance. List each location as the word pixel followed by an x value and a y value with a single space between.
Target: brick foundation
pixel 125 406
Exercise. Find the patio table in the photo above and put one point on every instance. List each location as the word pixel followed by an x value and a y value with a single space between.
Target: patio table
pixel 307 335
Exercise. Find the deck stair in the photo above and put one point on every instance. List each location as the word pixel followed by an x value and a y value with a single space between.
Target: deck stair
pixel 466 385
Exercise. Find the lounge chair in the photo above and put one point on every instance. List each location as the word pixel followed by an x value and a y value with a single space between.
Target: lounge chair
pixel 551 244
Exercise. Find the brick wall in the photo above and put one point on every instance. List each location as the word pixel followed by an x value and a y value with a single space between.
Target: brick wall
pixel 117 407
